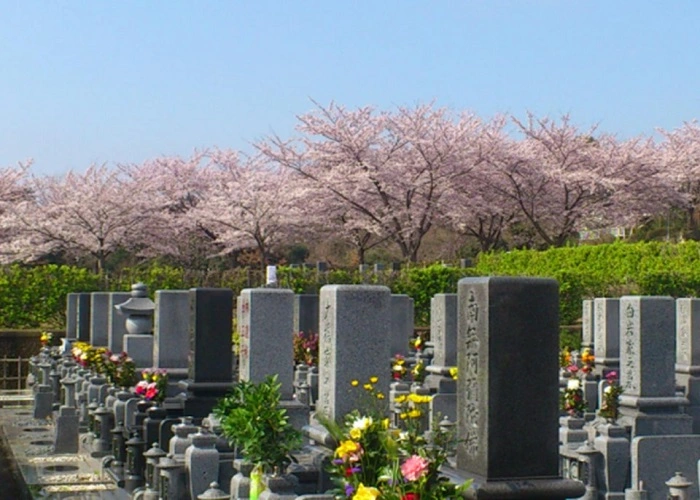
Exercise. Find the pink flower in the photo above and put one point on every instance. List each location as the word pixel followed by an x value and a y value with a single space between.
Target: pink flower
pixel 141 387
pixel 414 467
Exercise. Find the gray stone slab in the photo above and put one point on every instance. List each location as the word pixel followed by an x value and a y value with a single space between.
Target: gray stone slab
pixel 354 344
pixel 507 326
pixel 306 313
pixel 402 323
pixel 116 321
pixel 171 329
pixel 648 327
pixel 71 315
pixel 140 349
pixel 443 329
pixel 655 460
pixel 99 318
pixel 67 431
pixel 587 326
pixel 266 331
pixel 606 332
pixel 688 335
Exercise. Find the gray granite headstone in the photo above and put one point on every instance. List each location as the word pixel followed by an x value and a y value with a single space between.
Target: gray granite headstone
pixel 353 345
pixel 306 313
pixel 443 328
pixel 402 323
pixel 171 329
pixel 688 336
pixel 116 321
pixel 99 318
pixel 508 326
pixel 83 321
pixel 606 333
pixel 647 370
pixel 71 315
pixel 587 324
pixel 688 354
pixel 266 327
pixel 655 459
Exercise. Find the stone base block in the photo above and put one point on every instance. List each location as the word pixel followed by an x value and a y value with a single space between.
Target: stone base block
pixel 140 349
pixel 67 431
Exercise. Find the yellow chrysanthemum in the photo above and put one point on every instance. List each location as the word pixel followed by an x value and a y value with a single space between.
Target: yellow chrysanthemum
pixel 368 387
pixel 418 398
pixel 366 493
pixel 380 395
pixel 346 448
pixel 374 380
pixel 355 383
pixel 414 414
pixel 401 398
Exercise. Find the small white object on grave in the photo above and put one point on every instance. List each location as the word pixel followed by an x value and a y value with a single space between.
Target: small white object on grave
pixel 271 275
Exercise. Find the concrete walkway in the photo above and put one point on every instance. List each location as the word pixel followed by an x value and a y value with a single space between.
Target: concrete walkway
pixel 28 445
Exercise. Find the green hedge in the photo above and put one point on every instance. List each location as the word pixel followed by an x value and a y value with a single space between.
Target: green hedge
pixel 34 296
pixel 611 270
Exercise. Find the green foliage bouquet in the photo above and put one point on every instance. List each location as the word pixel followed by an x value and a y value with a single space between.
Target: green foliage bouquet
pixel 252 420
pixel 375 460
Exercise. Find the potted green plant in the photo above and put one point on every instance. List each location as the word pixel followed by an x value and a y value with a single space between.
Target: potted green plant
pixel 253 422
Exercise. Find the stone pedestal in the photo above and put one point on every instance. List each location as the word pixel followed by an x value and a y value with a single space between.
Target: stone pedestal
pixel 201 463
pixel 43 402
pixel 67 431
pixel 140 349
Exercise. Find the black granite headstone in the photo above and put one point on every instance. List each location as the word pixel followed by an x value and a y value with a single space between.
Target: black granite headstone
pixel 210 358
pixel 508 391
pixel 83 313
pixel 211 326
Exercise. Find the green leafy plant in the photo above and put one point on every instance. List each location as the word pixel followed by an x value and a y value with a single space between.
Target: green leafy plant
pixel 252 420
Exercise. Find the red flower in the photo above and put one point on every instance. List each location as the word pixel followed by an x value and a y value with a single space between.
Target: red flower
pixel 152 391
pixel 411 496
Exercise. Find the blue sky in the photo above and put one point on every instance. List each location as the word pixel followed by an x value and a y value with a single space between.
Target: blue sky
pixel 123 81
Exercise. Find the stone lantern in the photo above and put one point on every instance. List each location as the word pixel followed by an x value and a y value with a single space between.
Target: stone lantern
pixel 138 311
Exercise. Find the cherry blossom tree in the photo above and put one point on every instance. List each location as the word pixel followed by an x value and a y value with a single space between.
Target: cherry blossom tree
pixel 560 178
pixel 174 186
pixel 389 169
pixel 250 203
pixel 473 207
pixel 93 213
pixel 680 156
pixel 13 190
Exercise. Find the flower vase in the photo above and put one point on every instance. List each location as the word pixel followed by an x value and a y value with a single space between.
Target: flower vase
pixel 279 487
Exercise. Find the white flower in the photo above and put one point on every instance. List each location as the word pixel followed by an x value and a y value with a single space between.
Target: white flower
pixel 362 423
pixel 608 389
pixel 573 384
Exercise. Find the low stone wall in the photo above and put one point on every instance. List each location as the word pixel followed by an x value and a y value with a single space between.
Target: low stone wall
pixel 22 343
